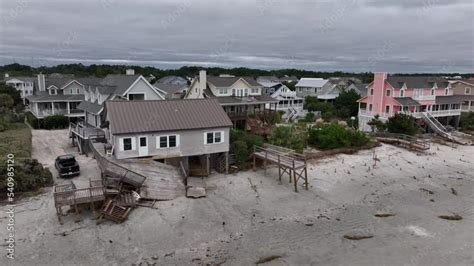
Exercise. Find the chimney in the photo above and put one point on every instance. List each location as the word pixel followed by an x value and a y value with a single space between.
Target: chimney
pixel 6 75
pixel 202 80
pixel 41 82
pixel 130 72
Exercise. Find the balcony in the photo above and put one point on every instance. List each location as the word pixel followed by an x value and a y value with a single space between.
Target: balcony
pixel 246 114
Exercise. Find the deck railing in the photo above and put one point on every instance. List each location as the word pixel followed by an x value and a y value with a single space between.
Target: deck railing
pixel 110 168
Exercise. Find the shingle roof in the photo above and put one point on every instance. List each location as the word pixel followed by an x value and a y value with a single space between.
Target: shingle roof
pixel 22 78
pixel 155 116
pixel 173 80
pixel 406 101
pixel 120 81
pixel 452 99
pixel 45 97
pixel 228 81
pixel 94 108
pixel 169 88
pixel 417 81
pixel 311 82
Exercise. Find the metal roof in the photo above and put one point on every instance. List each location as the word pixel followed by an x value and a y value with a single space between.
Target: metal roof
pixel 311 82
pixel 173 115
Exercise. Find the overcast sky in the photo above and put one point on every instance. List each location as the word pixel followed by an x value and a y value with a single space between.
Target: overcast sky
pixel 349 35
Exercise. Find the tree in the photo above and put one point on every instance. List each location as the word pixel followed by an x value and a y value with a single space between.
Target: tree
pixel 289 84
pixel 332 136
pixel 14 94
pixel 6 102
pixel 309 117
pixel 346 103
pixel 402 123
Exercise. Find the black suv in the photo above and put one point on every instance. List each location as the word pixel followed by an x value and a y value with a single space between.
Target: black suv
pixel 67 166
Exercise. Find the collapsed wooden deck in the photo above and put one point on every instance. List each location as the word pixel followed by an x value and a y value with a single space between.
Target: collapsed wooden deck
pixel 287 160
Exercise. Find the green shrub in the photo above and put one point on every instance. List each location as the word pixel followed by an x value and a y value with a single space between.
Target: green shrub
pixel 33 121
pixel 309 117
pixel 467 121
pixel 240 150
pixel 250 140
pixel 402 123
pixel 332 136
pixel 55 122
pixel 29 174
pixel 376 123
pixel 287 137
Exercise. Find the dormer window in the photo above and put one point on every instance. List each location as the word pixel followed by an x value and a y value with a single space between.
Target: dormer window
pixel 446 91
pixel 388 93
pixel 53 91
pixel 402 93
pixel 432 92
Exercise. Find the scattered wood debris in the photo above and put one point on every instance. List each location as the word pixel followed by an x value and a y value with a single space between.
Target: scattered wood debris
pixel 454 191
pixel 427 190
pixel 357 237
pixel 454 217
pixel 383 215
pixel 267 259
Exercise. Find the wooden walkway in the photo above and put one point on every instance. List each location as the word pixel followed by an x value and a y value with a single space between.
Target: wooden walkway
pixel 288 162
pixel 69 195
pixel 402 140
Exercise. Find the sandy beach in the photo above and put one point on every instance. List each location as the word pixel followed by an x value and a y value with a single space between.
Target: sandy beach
pixel 249 217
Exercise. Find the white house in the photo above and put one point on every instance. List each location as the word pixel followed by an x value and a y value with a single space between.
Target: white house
pixel 309 86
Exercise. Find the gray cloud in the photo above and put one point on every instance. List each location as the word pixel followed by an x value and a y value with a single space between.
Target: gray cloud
pixel 352 35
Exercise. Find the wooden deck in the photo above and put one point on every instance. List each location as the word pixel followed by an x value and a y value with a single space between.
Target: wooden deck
pixel 287 160
pixel 69 195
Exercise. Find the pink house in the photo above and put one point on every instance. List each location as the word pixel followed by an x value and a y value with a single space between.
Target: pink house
pixel 424 97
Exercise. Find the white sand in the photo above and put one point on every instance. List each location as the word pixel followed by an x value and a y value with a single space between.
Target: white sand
pixel 237 225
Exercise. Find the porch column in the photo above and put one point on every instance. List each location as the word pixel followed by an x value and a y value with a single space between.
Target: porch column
pixel 68 108
pixel 227 163
pixel 36 108
pixel 52 107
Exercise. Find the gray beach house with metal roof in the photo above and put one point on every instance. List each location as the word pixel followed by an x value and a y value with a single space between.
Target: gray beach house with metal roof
pixel 194 133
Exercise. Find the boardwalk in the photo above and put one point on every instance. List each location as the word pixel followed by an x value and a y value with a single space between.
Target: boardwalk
pixel 287 160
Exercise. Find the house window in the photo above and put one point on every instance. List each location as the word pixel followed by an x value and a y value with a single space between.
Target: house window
pixel 136 96
pixel 467 90
pixel 127 144
pixel 446 91
pixel 254 91
pixel 388 93
pixel 370 107
pixel 222 91
pixel 387 109
pixel 143 142
pixel 402 93
pixel 432 92
pixel 214 137
pixel 170 141
pixel 53 92
pixel 371 91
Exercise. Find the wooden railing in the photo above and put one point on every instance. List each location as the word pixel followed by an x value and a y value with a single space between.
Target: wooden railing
pixel 115 170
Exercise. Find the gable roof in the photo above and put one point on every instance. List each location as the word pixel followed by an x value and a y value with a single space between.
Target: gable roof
pixel 155 116
pixel 94 108
pixel 120 81
pixel 417 81
pixel 311 82
pixel 228 81
pixel 169 88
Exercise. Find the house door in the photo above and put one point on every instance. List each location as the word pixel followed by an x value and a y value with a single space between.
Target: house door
pixel 142 146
